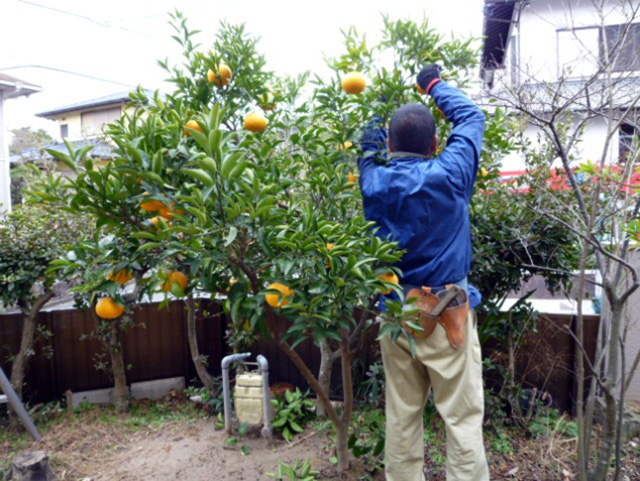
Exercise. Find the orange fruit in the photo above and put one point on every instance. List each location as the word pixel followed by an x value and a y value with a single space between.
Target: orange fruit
pixel 354 83
pixel 275 300
pixel 483 172
pixel 121 277
pixel 175 276
pixel 351 177
pixel 152 205
pixel 107 308
pixel 155 221
pixel 222 78
pixel 421 90
pixel 192 124
pixel 346 146
pixel 389 277
pixel 266 102
pixel 329 263
pixel 255 122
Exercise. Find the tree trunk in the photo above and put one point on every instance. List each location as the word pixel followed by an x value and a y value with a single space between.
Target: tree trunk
pixel 610 409
pixel 342 447
pixel 19 367
pixel 120 390
pixel 201 369
pixel 32 466
pixel 583 421
pixel 327 360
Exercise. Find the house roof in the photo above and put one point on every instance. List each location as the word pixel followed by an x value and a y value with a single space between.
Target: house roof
pixel 16 87
pixel 498 19
pixel 113 99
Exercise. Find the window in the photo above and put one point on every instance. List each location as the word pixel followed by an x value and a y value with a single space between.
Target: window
pixel 577 52
pixel 64 131
pixel 94 121
pixel 623 52
pixel 626 146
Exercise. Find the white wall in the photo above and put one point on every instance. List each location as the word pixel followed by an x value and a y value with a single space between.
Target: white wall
pixel 554 37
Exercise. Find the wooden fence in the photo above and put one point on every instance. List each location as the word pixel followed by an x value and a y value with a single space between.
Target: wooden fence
pixel 69 358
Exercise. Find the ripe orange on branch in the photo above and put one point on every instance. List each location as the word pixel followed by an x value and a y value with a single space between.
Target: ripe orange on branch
pixel 266 102
pixel 175 276
pixel 354 83
pixel 389 277
pixel 277 300
pixel 192 124
pixel 107 308
pixel 152 205
pixel 121 277
pixel 255 122
pixel 222 77
pixel 351 178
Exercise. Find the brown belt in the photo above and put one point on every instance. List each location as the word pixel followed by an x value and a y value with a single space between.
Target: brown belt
pixel 453 318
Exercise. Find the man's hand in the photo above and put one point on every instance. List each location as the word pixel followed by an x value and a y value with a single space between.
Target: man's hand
pixel 429 76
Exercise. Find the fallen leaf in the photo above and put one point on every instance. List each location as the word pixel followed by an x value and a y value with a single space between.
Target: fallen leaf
pixel 513 471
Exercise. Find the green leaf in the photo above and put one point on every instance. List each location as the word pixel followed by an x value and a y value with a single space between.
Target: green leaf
pixel 157 162
pixel 231 236
pixel 148 246
pixel 200 175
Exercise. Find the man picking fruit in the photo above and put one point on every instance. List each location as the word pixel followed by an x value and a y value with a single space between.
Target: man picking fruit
pixel 421 200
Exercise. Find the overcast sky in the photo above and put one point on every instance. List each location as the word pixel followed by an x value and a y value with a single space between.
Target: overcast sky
pixel 120 41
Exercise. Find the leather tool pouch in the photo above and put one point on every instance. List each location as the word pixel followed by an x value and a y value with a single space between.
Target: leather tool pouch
pixel 453 318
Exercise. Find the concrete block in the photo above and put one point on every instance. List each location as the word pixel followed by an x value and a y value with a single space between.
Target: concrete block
pixel 156 389
pixel 98 396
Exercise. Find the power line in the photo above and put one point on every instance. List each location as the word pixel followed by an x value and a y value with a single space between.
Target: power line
pixel 69 72
pixel 89 19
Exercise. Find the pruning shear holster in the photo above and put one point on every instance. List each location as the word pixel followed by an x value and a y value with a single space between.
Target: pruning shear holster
pixel 448 307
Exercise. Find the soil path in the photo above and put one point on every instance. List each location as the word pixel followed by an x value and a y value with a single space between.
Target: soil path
pixel 178 450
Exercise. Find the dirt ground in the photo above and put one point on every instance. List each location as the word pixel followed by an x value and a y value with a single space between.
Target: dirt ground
pixel 98 445
pixel 175 451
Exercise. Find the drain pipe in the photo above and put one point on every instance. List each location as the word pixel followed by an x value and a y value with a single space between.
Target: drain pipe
pixel 264 367
pixel 226 363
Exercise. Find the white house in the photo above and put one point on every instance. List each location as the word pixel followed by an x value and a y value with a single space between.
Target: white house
pixel 10 87
pixel 534 45
pixel 530 43
pixel 82 124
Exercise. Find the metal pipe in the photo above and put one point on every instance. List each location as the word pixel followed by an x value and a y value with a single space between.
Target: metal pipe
pixel 266 431
pixel 226 363
pixel 17 406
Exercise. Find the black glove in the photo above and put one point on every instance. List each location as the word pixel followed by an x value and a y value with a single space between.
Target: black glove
pixel 428 74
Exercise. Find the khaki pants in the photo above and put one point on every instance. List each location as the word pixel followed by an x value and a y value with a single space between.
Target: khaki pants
pixel 456 379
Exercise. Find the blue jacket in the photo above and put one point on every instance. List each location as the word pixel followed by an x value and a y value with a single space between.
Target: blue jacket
pixel 424 203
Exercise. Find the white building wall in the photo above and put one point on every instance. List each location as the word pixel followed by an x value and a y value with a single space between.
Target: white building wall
pixel 554 37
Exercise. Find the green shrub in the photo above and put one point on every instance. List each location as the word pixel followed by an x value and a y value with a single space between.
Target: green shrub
pixel 299 470
pixel 292 413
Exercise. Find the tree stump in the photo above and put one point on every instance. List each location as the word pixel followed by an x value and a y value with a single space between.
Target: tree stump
pixel 31 466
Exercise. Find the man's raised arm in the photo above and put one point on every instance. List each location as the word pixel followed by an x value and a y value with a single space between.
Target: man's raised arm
pixel 465 142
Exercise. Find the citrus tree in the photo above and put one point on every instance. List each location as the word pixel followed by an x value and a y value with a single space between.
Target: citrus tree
pixel 31 237
pixel 246 185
